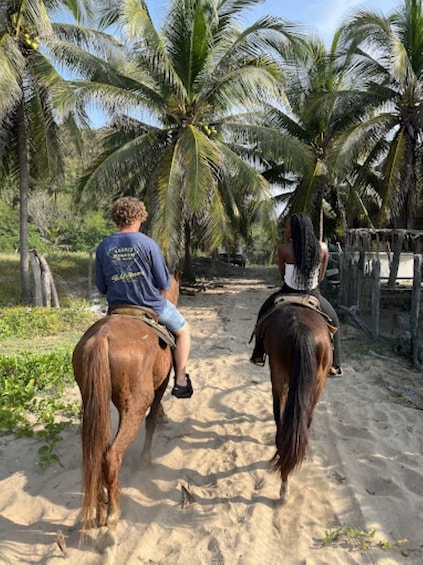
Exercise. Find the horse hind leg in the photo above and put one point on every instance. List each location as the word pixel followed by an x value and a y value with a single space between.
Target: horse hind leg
pixel 162 417
pixel 129 424
pixel 102 507
pixel 284 491
pixel 279 401
pixel 155 415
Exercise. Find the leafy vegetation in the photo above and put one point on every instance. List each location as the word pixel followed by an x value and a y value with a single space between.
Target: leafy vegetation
pixel 25 323
pixel 31 397
pixel 202 119
pixel 35 363
pixel 356 538
pixel 206 83
pixel 206 120
pixel 71 272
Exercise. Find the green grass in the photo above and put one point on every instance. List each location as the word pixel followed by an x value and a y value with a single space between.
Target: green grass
pixel 36 345
pixel 71 272
pixel 9 279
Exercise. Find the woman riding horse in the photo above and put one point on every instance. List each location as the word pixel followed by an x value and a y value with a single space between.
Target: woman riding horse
pixel 297 339
pixel 302 265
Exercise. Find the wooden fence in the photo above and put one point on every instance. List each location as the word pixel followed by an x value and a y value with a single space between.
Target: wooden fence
pixel 380 284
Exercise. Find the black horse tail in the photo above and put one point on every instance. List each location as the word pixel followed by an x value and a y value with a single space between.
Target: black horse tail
pixel 292 434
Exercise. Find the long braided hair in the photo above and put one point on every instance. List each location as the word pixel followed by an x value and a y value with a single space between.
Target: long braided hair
pixel 306 247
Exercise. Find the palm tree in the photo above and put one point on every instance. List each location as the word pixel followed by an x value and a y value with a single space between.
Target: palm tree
pixel 189 99
pixel 322 106
pixel 389 56
pixel 32 46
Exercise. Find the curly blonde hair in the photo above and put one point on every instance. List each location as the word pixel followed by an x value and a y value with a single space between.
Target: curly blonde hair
pixel 128 210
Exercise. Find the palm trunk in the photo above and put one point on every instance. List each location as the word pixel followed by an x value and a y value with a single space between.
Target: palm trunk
pixel 188 270
pixel 410 204
pixel 23 205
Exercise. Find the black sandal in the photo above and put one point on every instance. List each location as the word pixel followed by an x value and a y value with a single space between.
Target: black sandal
pixel 336 372
pixel 183 391
pixel 259 361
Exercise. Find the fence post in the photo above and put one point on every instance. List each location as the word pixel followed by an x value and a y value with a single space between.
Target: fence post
pixel 394 266
pixel 375 297
pixel 415 310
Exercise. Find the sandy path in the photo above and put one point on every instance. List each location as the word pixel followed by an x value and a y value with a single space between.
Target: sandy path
pixel 365 469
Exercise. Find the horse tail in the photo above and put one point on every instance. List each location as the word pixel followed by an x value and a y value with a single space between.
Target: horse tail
pixel 96 427
pixel 292 434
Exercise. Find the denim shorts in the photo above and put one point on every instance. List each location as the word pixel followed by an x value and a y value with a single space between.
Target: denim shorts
pixel 171 317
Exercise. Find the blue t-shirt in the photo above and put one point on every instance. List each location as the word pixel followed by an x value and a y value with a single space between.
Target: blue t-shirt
pixel 130 269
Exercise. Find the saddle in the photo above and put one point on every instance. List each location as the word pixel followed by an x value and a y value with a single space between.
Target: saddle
pixel 147 316
pixel 304 300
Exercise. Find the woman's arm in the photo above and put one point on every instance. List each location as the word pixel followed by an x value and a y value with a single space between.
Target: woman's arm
pixel 325 259
pixel 282 261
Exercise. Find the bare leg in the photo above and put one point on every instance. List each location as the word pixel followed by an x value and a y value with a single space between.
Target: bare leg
pixel 181 354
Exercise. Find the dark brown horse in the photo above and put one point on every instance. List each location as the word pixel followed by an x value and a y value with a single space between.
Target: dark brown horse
pixel 119 359
pixel 298 342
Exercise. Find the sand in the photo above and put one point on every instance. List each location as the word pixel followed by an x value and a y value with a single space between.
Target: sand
pixel 209 497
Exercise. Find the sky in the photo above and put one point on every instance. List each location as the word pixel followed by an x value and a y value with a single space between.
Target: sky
pixel 321 17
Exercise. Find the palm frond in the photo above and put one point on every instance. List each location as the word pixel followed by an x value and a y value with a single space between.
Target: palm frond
pixel 392 198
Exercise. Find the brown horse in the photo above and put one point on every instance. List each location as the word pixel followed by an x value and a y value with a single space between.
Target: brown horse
pixel 119 359
pixel 298 342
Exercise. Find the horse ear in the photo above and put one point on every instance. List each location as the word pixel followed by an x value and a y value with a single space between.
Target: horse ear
pixel 178 275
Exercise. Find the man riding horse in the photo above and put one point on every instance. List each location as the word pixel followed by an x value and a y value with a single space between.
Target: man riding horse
pixel 130 269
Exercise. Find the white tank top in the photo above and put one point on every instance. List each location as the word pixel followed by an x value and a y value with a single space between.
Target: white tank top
pixel 293 281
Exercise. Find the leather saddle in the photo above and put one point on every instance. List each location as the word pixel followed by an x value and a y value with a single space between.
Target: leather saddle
pixel 147 316
pixel 304 300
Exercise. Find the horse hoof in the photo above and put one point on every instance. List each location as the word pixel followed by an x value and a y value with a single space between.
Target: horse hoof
pixel 106 540
pixel 113 519
pixel 162 419
pixel 101 516
pixel 101 522
pixel 146 462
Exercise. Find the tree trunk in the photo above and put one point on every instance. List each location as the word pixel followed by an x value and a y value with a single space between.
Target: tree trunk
pixel 411 184
pixel 23 204
pixel 188 273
